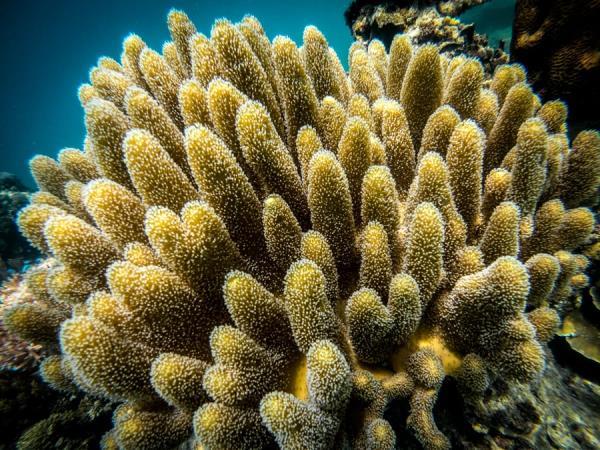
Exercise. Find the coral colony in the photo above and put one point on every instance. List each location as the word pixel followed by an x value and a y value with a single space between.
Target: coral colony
pixel 256 248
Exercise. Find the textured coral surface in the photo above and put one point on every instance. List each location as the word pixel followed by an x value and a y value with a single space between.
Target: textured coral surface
pixel 257 249
pixel 16 353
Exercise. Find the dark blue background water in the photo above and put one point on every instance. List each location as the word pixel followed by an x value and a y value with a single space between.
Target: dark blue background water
pixel 494 19
pixel 48 48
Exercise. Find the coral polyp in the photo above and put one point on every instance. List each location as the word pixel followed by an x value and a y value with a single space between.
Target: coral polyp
pixel 256 248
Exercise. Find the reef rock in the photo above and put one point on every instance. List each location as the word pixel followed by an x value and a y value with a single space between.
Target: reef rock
pixel 560 410
pixel 559 43
pixel 424 22
pixel 14 249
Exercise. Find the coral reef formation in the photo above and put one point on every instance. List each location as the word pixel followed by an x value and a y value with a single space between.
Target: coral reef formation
pixel 34 403
pixel 580 331
pixel 447 7
pixel 36 417
pixel 423 22
pixel 14 249
pixel 16 353
pixel 559 43
pixel 255 248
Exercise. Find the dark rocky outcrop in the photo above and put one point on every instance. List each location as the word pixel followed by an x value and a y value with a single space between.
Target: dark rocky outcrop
pixel 558 41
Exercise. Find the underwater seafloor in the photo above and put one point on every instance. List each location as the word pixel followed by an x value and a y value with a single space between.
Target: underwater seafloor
pixel 270 243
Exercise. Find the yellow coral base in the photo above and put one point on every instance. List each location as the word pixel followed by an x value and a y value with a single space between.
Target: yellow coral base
pixel 424 338
pixel 297 385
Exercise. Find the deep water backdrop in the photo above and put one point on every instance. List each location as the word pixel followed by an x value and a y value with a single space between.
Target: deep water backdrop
pixel 493 18
pixel 49 46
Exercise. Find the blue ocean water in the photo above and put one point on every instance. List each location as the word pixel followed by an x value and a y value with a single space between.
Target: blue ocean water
pixel 49 47
pixel 494 19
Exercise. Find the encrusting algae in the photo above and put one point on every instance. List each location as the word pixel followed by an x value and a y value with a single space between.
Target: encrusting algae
pixel 256 248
